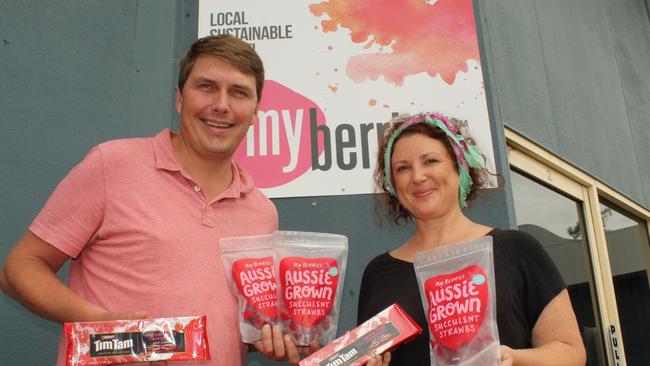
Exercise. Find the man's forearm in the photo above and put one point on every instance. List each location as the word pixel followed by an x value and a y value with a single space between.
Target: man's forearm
pixel 31 282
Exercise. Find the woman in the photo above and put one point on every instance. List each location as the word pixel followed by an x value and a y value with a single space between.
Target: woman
pixel 428 171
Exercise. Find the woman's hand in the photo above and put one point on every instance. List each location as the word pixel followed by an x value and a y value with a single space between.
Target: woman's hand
pixel 506 356
pixel 381 360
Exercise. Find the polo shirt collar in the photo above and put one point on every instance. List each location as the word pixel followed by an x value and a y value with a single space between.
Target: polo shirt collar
pixel 242 182
pixel 164 152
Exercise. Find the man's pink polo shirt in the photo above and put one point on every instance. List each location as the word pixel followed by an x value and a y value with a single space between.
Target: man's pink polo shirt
pixel 143 237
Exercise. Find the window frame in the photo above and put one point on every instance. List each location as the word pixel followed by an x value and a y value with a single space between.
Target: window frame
pixel 529 157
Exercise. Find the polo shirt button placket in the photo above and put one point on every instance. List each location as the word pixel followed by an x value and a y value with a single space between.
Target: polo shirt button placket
pixel 206 210
pixel 207 218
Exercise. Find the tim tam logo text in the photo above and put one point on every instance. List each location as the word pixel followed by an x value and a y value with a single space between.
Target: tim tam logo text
pixel 343 358
pixel 114 344
pixel 291 137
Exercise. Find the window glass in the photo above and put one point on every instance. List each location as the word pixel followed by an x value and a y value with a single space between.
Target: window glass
pixel 557 222
pixel 628 248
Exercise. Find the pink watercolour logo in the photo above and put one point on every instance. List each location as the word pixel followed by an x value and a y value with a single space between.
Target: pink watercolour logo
pixel 436 38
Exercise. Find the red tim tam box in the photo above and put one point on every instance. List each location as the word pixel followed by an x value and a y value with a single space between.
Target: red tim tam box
pixel 391 327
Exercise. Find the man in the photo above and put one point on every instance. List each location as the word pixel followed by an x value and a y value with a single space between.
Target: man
pixel 141 218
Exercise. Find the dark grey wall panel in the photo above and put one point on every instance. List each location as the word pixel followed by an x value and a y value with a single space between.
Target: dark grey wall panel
pixel 630 33
pixel 154 67
pixel 72 74
pixel 592 91
pixel 518 72
pixel 586 91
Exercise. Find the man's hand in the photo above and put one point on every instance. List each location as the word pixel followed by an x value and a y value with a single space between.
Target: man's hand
pixel 279 347
pixel 381 360
pixel 122 315
pixel 29 276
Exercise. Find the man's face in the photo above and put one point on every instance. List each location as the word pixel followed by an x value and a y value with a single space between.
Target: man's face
pixel 216 106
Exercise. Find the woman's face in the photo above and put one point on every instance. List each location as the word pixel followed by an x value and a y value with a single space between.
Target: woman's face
pixel 425 176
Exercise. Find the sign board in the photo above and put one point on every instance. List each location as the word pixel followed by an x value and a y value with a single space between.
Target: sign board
pixel 337 71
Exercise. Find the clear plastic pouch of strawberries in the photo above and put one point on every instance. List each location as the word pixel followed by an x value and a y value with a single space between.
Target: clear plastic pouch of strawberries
pixel 310 268
pixel 458 293
pixel 248 263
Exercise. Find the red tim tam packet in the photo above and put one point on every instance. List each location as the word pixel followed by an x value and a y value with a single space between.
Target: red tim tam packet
pixel 248 263
pixel 127 341
pixel 457 290
pixel 384 331
pixel 310 268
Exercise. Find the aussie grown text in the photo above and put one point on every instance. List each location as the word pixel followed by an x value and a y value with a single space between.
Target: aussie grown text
pixel 453 300
pixel 309 286
pixel 259 279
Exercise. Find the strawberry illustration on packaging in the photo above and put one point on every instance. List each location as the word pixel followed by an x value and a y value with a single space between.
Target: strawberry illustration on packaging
pixel 457 305
pixel 308 288
pixel 457 288
pixel 248 262
pixel 255 281
pixel 310 268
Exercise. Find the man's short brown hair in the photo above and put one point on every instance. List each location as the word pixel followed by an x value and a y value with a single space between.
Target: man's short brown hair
pixel 229 49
